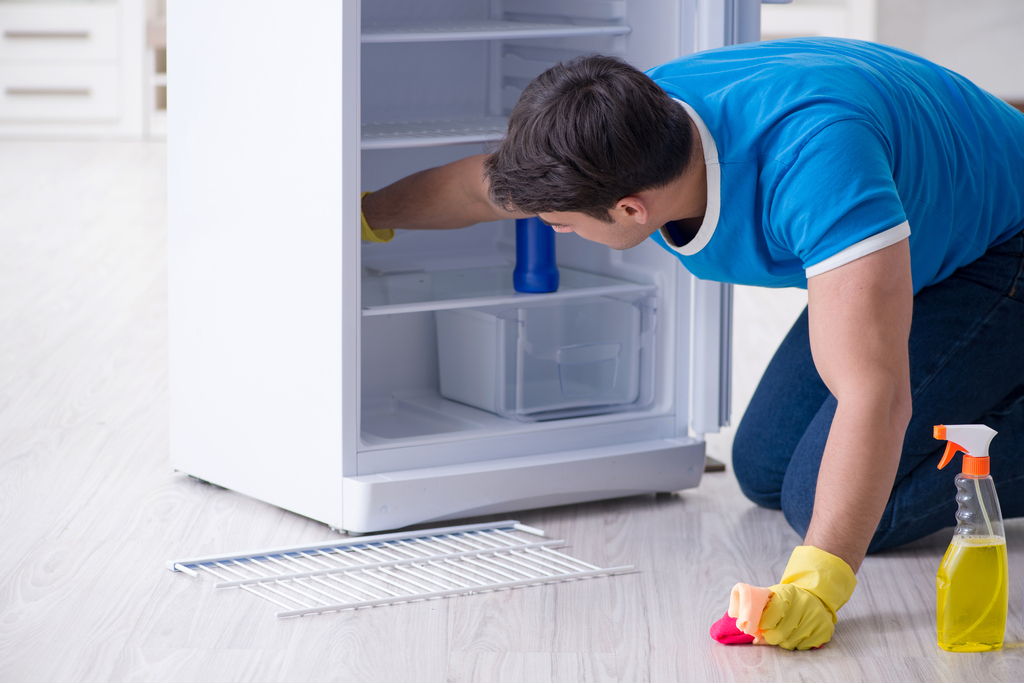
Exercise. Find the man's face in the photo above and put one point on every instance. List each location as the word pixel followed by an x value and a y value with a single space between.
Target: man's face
pixel 615 235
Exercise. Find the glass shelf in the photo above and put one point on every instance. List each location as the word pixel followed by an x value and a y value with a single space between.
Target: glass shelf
pixel 482 29
pixel 383 136
pixel 410 292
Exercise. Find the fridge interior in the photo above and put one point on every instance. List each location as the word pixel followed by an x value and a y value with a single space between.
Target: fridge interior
pixel 437 82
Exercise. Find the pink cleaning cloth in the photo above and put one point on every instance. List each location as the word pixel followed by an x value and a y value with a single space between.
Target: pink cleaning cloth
pixel 725 631
pixel 746 603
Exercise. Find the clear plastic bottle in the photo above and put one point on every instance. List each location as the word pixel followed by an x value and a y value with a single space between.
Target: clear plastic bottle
pixel 973 577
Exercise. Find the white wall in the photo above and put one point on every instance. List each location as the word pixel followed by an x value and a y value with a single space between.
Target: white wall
pixel 761 319
pixel 980 39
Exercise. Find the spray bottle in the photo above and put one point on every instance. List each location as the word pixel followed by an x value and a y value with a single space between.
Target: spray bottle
pixel 972 579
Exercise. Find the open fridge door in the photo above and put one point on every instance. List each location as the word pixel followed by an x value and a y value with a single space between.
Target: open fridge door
pixel 716 23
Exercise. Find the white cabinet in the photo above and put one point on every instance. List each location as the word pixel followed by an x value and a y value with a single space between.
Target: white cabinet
pixel 305 364
pixel 71 69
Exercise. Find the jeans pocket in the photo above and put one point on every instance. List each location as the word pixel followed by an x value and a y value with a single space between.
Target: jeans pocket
pixel 1012 247
pixel 1000 269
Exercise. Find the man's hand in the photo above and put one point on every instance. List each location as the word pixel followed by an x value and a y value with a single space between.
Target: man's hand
pixel 795 619
pixel 802 611
pixel 371 234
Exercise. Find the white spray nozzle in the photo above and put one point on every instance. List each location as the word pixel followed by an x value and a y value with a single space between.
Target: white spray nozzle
pixel 972 439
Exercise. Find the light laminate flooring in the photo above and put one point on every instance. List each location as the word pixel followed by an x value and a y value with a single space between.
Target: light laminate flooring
pixel 90 510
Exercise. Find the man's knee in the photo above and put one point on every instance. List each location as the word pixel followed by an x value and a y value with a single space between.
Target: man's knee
pixel 797 507
pixel 769 488
pixel 753 470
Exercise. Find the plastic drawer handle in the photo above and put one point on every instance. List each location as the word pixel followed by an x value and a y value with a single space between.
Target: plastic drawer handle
pixel 573 354
pixel 47 35
pixel 583 354
pixel 68 92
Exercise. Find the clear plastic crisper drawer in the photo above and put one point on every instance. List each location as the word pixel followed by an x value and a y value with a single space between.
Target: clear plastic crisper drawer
pixel 551 359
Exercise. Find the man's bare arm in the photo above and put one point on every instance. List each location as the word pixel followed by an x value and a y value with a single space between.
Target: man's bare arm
pixel 449 196
pixel 860 317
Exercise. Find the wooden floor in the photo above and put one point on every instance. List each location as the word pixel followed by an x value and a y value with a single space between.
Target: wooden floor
pixel 90 510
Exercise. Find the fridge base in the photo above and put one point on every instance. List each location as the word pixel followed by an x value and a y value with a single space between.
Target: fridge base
pixel 397 499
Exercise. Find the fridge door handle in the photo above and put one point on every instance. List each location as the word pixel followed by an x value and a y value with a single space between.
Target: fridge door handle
pixel 710 355
pixel 727 22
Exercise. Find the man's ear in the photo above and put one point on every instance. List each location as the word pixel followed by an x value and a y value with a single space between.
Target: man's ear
pixel 631 209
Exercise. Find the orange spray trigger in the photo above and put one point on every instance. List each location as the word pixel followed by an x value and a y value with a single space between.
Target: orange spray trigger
pixel 947 456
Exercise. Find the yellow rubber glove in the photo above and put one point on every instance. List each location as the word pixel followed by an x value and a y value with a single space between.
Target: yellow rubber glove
pixel 370 234
pixel 802 611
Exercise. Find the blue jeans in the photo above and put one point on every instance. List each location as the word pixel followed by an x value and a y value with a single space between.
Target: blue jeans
pixel 966 366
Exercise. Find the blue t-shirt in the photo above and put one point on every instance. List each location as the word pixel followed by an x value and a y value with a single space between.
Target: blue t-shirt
pixel 820 151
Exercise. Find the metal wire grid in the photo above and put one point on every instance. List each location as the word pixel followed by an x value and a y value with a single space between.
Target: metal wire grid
pixel 393 569
pixel 424 133
pixel 482 29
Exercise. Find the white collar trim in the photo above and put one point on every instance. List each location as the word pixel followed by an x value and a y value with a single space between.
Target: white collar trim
pixel 714 174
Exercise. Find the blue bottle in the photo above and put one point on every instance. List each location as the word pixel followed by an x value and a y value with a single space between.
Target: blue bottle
pixel 535 257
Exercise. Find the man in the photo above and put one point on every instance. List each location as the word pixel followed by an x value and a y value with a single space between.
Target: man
pixel 890 188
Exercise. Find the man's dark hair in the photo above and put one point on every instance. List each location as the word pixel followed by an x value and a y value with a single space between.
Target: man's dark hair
pixel 585 134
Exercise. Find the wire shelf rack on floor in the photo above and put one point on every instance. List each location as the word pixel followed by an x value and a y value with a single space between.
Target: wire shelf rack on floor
pixel 361 572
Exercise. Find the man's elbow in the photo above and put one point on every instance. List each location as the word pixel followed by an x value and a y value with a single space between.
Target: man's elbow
pixel 894 394
pixel 885 396
pixel 903 405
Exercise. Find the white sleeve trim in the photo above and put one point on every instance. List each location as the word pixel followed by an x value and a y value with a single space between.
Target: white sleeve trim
pixel 860 249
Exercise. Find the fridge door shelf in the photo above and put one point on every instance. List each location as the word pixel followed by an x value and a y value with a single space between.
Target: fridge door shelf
pixel 475 287
pixel 481 29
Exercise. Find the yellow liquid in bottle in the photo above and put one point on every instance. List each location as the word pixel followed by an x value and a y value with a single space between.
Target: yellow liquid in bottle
pixel 972 596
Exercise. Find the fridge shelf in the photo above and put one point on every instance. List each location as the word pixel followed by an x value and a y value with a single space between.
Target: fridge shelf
pixel 391 569
pixel 483 29
pixel 474 287
pixel 384 136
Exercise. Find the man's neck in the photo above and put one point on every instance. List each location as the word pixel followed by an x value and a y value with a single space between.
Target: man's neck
pixel 685 199
pixel 685 229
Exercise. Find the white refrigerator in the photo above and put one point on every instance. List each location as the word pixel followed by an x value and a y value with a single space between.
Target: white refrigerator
pixel 376 386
